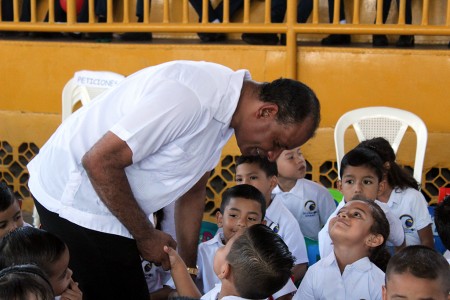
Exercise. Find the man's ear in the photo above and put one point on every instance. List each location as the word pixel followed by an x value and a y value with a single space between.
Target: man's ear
pixel 224 271
pixel 219 218
pixel 267 110
pixel 374 240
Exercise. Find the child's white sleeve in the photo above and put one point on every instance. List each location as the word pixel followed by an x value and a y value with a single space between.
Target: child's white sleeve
pixel 397 234
pixel 306 289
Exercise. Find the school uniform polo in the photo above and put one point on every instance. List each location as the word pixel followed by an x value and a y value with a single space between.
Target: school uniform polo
pixel 411 208
pixel 280 220
pixel 175 117
pixel 323 280
pixel 207 280
pixel 396 235
pixel 310 203
pixel 214 294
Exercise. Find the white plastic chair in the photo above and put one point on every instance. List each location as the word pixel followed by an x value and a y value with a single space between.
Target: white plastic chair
pixel 387 122
pixel 85 86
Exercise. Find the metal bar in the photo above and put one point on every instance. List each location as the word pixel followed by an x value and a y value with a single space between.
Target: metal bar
pixel 356 11
pixel 379 18
pixel 91 8
pixel 33 11
pixel 166 12
pixel 226 11
pixel 336 9
pixel 205 14
pixel 315 19
pixel 185 18
pixel 267 9
pixel 401 12
pixel 425 12
pixel 109 11
pixel 291 39
pixel 146 11
pixel 70 8
pixel 246 12
pixel 126 11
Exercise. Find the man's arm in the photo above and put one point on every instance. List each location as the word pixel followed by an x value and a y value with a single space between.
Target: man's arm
pixel 105 165
pixel 188 219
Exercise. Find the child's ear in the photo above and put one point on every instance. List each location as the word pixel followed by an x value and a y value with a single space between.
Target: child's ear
pixel 381 187
pixel 224 271
pixel 273 182
pixel 339 185
pixel 384 292
pixel 374 240
pixel 219 218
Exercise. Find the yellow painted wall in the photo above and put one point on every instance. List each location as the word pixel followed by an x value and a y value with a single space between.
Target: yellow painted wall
pixel 33 73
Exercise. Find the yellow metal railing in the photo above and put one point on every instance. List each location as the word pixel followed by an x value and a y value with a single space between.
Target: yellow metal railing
pixel 183 24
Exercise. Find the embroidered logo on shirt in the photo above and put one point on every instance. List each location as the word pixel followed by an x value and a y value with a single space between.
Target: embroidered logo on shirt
pixel 309 209
pixel 407 222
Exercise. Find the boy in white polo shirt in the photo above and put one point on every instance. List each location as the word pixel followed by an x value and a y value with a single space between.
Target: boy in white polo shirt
pixel 253 264
pixel 309 202
pixel 242 206
pixel 262 174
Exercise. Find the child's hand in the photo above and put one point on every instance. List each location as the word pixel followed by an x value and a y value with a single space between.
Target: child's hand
pixel 175 260
pixel 72 293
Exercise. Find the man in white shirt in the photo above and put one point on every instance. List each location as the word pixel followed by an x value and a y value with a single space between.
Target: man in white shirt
pixel 149 141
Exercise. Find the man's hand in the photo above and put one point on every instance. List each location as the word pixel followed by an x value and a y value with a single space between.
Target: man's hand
pixel 151 248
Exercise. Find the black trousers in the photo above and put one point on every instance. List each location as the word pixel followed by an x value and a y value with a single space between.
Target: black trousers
pixel 106 266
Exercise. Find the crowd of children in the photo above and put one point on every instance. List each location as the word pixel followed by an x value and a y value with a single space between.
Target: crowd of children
pixel 376 244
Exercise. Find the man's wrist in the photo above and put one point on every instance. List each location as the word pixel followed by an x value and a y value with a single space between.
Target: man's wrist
pixel 192 271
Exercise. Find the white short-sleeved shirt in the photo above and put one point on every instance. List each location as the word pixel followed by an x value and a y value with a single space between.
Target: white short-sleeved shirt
pixel 411 208
pixel 175 117
pixel 280 220
pixel 323 280
pixel 207 279
pixel 447 255
pixel 396 235
pixel 310 203
pixel 214 294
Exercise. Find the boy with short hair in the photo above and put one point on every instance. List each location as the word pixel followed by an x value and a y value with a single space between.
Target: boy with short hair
pixel 309 202
pixel 361 178
pixel 442 222
pixel 417 272
pixel 262 174
pixel 242 206
pixel 254 264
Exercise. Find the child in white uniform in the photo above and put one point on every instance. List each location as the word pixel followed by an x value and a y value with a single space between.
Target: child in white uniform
pixel 241 206
pixel 312 204
pixel 10 213
pixel 254 264
pixel 442 221
pixel 359 233
pixel 417 272
pixel 262 174
pixel 403 196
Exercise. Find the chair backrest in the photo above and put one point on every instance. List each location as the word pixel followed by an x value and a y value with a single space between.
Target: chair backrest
pixel 85 86
pixel 380 121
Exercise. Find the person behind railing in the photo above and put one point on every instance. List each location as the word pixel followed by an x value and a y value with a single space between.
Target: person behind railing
pixel 100 9
pixel 277 14
pixel 380 40
pixel 215 15
pixel 336 39
pixel 138 36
